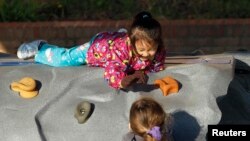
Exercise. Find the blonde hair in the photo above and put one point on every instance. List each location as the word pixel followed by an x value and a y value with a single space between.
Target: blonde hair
pixel 146 113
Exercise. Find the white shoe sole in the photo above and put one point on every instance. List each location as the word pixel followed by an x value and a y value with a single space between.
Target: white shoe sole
pixel 19 50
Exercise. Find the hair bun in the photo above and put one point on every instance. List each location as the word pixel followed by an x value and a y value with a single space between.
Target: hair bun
pixel 143 15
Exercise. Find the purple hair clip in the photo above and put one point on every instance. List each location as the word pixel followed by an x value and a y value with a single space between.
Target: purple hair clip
pixel 155 132
pixel 145 16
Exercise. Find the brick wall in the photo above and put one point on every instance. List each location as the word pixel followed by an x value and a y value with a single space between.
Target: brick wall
pixel 185 36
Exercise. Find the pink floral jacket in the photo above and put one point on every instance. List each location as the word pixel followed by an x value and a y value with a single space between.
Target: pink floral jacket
pixel 113 52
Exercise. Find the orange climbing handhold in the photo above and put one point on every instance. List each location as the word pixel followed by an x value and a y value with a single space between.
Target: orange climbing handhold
pixel 167 85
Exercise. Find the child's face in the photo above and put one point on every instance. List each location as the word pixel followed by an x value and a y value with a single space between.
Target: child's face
pixel 145 50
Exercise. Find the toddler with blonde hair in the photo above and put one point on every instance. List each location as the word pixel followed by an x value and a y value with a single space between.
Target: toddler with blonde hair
pixel 149 121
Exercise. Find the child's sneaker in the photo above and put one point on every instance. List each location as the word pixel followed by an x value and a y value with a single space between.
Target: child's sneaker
pixel 28 50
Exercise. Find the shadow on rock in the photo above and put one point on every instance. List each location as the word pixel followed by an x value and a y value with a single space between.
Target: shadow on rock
pixel 186 127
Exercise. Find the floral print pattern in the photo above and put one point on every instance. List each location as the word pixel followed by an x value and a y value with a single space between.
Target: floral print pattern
pixel 113 52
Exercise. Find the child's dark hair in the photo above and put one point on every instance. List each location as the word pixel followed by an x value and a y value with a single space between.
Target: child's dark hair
pixel 145 27
pixel 146 114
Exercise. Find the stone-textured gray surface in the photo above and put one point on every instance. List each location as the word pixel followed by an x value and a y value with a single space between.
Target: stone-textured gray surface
pixel 203 99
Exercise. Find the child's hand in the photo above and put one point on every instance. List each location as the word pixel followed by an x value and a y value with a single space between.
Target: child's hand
pixel 128 80
pixel 138 77
pixel 142 77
